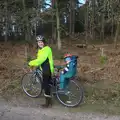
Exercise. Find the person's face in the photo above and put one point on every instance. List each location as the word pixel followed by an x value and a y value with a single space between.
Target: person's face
pixel 67 60
pixel 40 44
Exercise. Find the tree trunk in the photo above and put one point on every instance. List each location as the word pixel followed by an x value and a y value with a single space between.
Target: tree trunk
pixel 73 16
pixel 53 29
pixel 53 24
pixel 102 28
pixel 58 27
pixel 24 10
pixel 117 34
pixel 6 22
pixel 70 18
pixel 102 23
pixel 112 30
pixel 26 25
pixel 86 24
pixel 93 19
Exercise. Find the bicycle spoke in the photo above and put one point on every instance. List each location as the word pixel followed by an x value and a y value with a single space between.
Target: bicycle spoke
pixel 71 96
pixel 32 86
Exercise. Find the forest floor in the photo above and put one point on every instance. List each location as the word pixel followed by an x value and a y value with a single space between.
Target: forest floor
pixel 99 75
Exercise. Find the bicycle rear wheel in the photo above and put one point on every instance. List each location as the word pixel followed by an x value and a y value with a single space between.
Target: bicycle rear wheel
pixel 72 96
pixel 32 84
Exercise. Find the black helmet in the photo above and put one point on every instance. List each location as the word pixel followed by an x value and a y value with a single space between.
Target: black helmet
pixel 40 38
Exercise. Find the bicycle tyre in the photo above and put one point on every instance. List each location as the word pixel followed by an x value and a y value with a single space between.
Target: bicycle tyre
pixel 80 97
pixel 40 84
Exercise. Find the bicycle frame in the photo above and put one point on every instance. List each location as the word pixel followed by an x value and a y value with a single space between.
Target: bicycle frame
pixel 54 80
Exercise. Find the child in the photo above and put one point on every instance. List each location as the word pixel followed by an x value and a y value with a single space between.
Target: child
pixel 68 71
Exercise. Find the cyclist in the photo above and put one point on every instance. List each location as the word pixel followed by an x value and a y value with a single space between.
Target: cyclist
pixel 68 71
pixel 44 60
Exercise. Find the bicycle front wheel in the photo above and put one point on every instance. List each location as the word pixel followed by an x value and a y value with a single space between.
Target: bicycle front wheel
pixel 72 96
pixel 32 84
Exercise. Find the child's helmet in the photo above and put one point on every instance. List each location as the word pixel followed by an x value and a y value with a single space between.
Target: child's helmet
pixel 67 55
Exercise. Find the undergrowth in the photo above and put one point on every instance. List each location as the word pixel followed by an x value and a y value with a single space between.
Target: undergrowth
pixel 100 95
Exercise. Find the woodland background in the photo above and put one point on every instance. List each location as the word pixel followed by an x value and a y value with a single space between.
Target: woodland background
pixel 87 28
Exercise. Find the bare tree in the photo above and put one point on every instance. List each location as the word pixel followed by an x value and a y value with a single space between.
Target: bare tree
pixel 53 23
pixel 6 21
pixel 58 26
pixel 26 23
pixel 72 16
pixel 102 21
pixel 93 19
pixel 117 32
pixel 86 22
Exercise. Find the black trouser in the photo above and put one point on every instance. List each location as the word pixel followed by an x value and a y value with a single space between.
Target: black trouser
pixel 46 77
pixel 46 84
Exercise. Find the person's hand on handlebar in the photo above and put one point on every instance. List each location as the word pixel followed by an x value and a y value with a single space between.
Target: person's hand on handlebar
pixel 27 68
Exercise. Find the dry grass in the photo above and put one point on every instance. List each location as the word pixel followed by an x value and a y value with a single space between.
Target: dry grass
pixel 101 81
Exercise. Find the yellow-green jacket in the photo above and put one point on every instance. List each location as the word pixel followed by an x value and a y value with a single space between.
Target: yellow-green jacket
pixel 44 59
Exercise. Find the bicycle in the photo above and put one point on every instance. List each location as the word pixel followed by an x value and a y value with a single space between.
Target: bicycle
pixel 63 96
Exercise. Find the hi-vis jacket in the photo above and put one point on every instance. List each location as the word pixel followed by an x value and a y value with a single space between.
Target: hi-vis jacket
pixel 44 60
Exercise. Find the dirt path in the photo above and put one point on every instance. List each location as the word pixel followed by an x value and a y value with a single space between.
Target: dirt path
pixel 10 111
